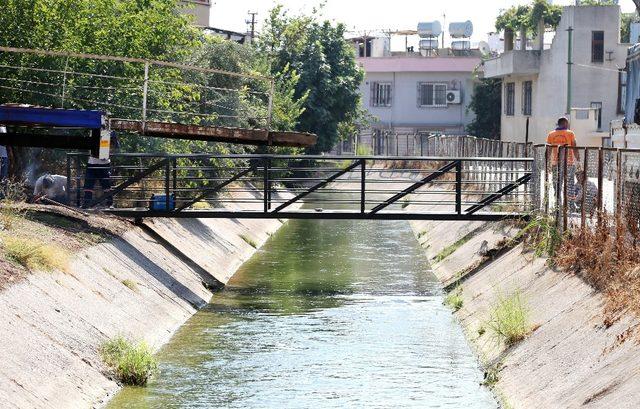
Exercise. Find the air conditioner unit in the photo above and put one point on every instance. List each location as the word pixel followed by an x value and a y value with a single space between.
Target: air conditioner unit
pixel 453 97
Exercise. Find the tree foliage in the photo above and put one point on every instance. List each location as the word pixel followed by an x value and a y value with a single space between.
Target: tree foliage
pixel 485 103
pixel 328 75
pixel 528 16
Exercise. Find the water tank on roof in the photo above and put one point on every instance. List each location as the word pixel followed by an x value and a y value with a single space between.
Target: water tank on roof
pixel 429 29
pixel 429 44
pixel 461 30
pixel 461 45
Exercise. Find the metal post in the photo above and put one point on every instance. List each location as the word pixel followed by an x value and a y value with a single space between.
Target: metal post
pixel 145 90
pixel 167 183
pixel 459 187
pixel 174 164
pixel 618 185
pixel 266 185
pixel 600 181
pixel 363 185
pixel 545 197
pixel 64 81
pixel 272 91
pixel 569 67
pixel 421 149
pixel 78 181
pixel 68 174
pixel 565 190
pixel 583 211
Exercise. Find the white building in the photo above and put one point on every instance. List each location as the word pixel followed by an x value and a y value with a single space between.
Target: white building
pixel 535 81
pixel 418 91
pixel 200 9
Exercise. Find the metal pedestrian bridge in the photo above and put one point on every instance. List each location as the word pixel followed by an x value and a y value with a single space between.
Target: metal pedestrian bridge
pixel 310 187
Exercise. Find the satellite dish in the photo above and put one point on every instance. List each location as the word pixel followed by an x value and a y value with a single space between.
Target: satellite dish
pixel 429 29
pixel 461 30
pixel 484 48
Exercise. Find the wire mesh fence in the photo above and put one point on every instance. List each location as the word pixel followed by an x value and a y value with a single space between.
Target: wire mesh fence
pixel 587 187
pixel 135 89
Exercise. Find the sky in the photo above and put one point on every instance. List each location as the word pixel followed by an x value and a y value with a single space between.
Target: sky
pixel 372 15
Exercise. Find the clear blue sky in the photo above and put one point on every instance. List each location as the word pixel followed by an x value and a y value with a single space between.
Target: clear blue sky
pixel 362 15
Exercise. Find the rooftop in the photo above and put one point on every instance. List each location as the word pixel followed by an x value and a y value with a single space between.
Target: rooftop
pixel 419 64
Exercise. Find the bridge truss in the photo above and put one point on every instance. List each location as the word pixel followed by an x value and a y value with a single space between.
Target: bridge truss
pixel 311 187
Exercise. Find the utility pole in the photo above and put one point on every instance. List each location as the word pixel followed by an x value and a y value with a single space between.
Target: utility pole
pixel 569 67
pixel 252 25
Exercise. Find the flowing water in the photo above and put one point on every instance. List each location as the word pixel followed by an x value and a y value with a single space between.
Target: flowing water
pixel 329 314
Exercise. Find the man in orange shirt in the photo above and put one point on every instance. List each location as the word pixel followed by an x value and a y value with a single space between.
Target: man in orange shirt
pixel 563 136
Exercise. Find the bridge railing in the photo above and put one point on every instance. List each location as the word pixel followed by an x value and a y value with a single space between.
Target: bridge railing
pixel 328 186
pixel 136 89
pixel 609 189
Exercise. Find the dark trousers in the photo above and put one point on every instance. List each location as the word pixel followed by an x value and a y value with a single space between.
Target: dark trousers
pixel 100 174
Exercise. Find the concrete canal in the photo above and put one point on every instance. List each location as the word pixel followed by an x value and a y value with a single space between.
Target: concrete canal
pixel 327 314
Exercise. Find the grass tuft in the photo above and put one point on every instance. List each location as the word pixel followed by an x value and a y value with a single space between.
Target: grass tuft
pixel 541 236
pixel 510 319
pixel 447 251
pixel 249 241
pixel 454 299
pixel 34 254
pixel 201 206
pixel 133 364
pixel 363 150
pixel 130 284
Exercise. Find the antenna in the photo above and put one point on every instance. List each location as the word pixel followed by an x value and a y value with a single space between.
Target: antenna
pixel 444 24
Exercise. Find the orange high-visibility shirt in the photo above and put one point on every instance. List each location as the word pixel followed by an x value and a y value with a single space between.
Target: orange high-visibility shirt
pixel 562 137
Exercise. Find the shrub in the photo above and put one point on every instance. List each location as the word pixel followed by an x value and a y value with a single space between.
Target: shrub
pixel 454 299
pixel 363 150
pixel 510 319
pixel 34 254
pixel 133 364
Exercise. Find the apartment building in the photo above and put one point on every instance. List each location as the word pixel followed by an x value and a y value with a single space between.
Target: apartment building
pixel 536 85
pixel 200 10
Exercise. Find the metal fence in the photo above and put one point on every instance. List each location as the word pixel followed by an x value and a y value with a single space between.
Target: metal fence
pixel 135 89
pixel 330 186
pixel 385 143
pixel 586 186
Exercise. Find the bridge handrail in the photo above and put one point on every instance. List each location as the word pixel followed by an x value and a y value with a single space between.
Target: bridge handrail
pixel 314 157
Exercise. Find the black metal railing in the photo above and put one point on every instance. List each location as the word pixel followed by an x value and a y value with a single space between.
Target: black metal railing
pixel 145 185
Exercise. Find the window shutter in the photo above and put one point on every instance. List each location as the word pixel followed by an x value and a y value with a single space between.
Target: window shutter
pixel 372 92
pixel 418 96
pixel 390 96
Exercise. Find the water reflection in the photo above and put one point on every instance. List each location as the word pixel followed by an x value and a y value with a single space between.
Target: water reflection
pixel 328 314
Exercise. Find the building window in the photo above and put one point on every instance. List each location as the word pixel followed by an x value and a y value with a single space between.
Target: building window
pixel 432 95
pixel 510 98
pixel 597 46
pixel 598 107
pixel 527 92
pixel 380 94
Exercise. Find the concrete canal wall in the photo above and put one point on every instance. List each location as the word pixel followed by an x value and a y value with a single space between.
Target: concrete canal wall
pixel 572 358
pixel 141 282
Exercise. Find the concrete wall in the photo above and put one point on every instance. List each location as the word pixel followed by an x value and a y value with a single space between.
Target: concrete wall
pixel 405 112
pixel 199 9
pixel 592 82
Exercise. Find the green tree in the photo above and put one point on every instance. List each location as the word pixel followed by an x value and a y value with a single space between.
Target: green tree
pixel 485 104
pixel 325 63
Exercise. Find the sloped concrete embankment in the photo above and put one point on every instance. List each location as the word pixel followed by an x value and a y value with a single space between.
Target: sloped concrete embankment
pixel 52 324
pixel 571 358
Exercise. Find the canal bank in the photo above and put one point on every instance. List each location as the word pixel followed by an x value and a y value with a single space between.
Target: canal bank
pixel 572 357
pixel 142 282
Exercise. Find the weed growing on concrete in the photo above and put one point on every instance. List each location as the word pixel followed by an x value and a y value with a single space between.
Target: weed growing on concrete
pixel 422 234
pixel 492 375
pixel 541 236
pixel 249 241
pixel 454 299
pixel 132 363
pixel 447 251
pixel 35 255
pixel 363 150
pixel 201 206
pixel 510 319
pixel 130 284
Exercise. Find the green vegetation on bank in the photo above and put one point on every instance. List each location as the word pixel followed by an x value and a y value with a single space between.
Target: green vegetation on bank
pixel 454 299
pixel 249 241
pixel 509 319
pixel 133 364
pixel 449 250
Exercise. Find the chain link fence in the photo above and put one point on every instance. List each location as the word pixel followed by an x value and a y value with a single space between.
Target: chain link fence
pixel 586 187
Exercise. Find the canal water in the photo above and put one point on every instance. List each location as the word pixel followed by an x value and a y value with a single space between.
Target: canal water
pixel 329 314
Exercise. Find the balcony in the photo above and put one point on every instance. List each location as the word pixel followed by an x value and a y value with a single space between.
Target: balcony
pixel 513 63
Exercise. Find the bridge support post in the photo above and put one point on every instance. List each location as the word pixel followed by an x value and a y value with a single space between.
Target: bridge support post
pixel 363 184
pixel 459 187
